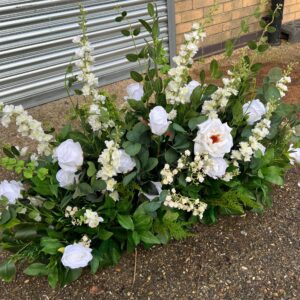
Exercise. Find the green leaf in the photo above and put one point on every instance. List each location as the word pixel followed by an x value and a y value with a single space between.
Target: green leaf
pixel 146 25
pixel 104 234
pixel 262 48
pixel 133 149
pixel 151 10
pixel 136 77
pixel 194 122
pixel 26 233
pixel 126 222
pixel 36 269
pixel 136 105
pixel 202 77
pixel 244 26
pixel 99 185
pixel 149 238
pixel 7 270
pixel 178 128
pixel 151 164
pixel 85 188
pixel 128 178
pixel 136 238
pixel 273 175
pixel 228 48
pixel 136 31
pixel 50 245
pixel 49 205
pixel 171 156
pixel 53 277
pixel 91 171
pixel 132 57
pixel 125 32
pixel 252 45
pixel 71 275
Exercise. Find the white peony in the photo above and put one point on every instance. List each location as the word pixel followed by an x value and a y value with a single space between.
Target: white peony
pixel 191 86
pixel 76 256
pixel 294 154
pixel 66 178
pixel 158 187
pixel 135 91
pixel 11 190
pixel 213 138
pixel 158 120
pixel 217 168
pixel 126 163
pixel 69 155
pixel 254 109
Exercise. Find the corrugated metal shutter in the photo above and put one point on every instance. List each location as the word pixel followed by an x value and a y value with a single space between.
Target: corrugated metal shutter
pixel 36 44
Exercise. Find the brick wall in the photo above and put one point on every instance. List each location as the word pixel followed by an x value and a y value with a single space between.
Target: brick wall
pixel 227 19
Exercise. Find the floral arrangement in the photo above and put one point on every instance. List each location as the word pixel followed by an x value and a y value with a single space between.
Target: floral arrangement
pixel 178 151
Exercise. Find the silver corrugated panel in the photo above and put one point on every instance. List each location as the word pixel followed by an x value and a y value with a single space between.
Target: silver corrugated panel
pixel 36 44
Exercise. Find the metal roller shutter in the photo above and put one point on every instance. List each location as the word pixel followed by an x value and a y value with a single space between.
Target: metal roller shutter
pixel 36 44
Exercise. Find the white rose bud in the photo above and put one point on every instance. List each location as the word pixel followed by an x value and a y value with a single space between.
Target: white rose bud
pixel 126 163
pixel 135 91
pixel 254 109
pixel 294 154
pixel 218 168
pixel 69 155
pixel 65 178
pixel 76 256
pixel 191 86
pixel 214 138
pixel 11 190
pixel 158 187
pixel 158 120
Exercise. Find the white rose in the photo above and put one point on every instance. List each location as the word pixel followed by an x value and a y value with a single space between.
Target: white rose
pixel 214 138
pixel 11 190
pixel 191 86
pixel 254 110
pixel 135 91
pixel 69 155
pixel 126 163
pixel 158 118
pixel 158 187
pixel 76 256
pixel 66 178
pixel 218 167
pixel 294 154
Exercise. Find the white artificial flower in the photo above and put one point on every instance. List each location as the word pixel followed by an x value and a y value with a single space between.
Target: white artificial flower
pixel 66 178
pixel 254 109
pixel 76 39
pixel 214 138
pixel 135 91
pixel 11 190
pixel 158 187
pixel 191 86
pixel 158 120
pixel 172 114
pixel 126 163
pixel 294 154
pixel 262 148
pixel 217 167
pixel 76 256
pixel 92 219
pixel 69 155
pixel 115 196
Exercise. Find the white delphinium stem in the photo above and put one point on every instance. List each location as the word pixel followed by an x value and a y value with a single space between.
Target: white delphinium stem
pixel 27 126
pixel 176 91
pixel 178 201
pixel 220 98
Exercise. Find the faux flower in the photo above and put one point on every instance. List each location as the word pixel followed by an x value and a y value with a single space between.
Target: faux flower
pixel 217 167
pixel 254 109
pixel 76 256
pixel 294 154
pixel 158 187
pixel 213 138
pixel 65 178
pixel 11 190
pixel 92 219
pixel 135 91
pixel 126 163
pixel 158 120
pixel 69 155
